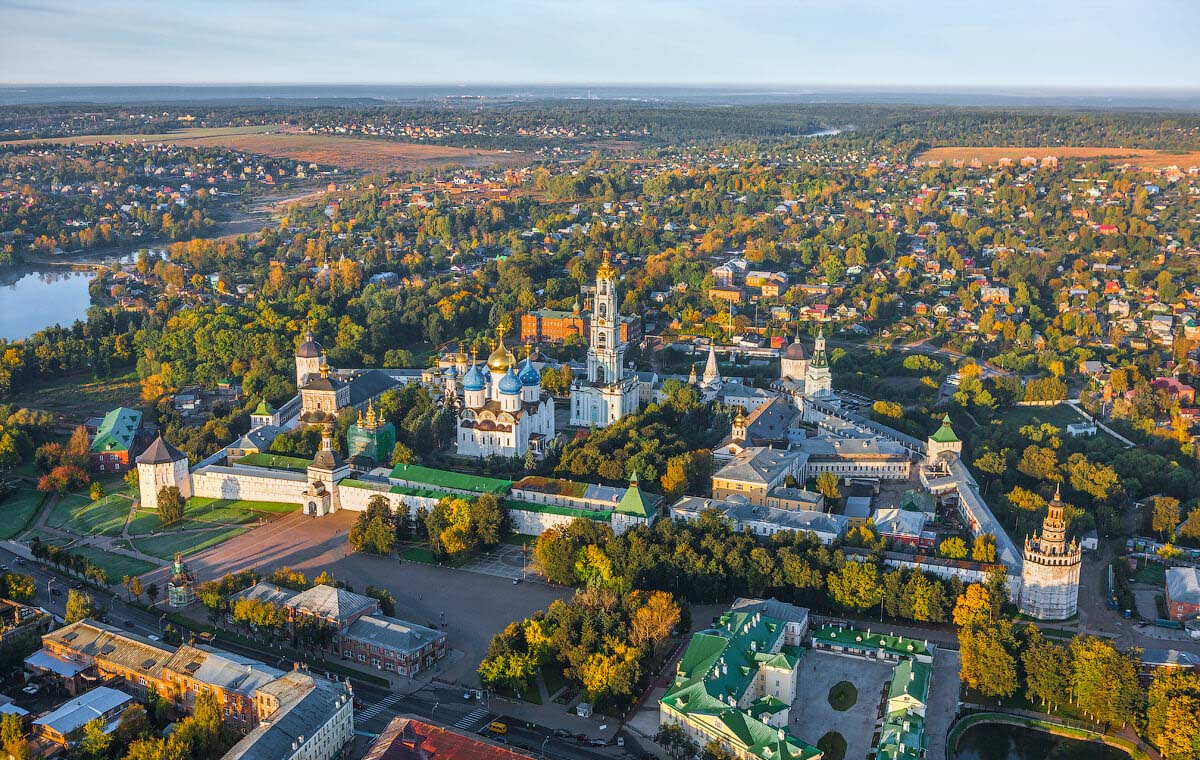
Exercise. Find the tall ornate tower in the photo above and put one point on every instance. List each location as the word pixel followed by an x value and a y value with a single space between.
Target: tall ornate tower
pixel 607 393
pixel 309 358
pixel 606 352
pixel 181 587
pixel 818 383
pixel 1050 572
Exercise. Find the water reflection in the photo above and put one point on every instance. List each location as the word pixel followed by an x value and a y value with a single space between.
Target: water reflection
pixel 993 741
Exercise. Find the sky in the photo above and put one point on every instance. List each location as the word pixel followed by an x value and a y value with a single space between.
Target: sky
pixel 1101 44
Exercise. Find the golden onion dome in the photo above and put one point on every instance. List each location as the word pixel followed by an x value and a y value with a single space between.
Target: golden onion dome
pixel 606 271
pixel 501 359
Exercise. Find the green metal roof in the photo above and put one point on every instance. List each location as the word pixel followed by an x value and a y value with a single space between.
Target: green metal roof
pixel 717 668
pixel 856 639
pixel 117 430
pixel 910 679
pixel 264 408
pixel 945 434
pixel 447 480
pixel 638 504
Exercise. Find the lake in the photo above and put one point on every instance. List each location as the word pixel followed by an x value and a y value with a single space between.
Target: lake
pixel 32 299
pixel 994 741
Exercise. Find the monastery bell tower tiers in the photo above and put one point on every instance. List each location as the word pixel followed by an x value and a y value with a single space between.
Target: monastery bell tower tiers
pixel 309 358
pixel 1050 572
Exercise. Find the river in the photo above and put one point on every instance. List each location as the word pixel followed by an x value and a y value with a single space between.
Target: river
pixel 994 741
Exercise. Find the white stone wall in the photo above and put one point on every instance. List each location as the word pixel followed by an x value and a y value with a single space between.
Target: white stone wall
pixel 355 498
pixel 328 740
pixel 535 523
pixel 217 484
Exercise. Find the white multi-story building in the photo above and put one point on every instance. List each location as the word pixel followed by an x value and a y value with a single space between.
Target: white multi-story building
pixel 608 393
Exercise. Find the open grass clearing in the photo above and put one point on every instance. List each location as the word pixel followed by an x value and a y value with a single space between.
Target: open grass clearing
pixel 165 545
pixel 116 565
pixel 77 513
pixel 78 397
pixel 208 513
pixel 17 511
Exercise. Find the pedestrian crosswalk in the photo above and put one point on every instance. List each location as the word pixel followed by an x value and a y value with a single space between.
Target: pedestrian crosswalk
pixel 371 711
pixel 472 720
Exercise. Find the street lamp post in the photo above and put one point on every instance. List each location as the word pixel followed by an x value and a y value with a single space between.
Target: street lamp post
pixel 543 750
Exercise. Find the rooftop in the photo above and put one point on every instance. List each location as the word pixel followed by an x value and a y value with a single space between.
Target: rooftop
pixel 117 430
pixel 761 465
pixel 390 633
pixel 331 602
pixel 412 739
pixel 447 480
pixel 100 702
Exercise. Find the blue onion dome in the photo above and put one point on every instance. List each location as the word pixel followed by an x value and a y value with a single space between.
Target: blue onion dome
pixel 473 380
pixel 509 384
pixel 450 371
pixel 529 374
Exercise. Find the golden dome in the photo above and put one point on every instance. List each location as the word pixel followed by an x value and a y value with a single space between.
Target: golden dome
pixel 606 270
pixel 501 359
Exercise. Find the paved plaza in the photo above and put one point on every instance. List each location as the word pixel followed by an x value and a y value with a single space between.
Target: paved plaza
pixel 476 605
pixel 812 716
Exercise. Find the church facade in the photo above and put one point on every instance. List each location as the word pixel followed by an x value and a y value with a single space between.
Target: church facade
pixel 505 412
pixel 608 392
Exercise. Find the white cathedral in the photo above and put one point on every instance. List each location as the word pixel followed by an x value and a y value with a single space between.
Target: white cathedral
pixel 608 393
pixel 504 412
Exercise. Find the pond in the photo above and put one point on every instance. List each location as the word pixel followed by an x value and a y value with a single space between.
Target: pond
pixel 31 300
pixel 994 741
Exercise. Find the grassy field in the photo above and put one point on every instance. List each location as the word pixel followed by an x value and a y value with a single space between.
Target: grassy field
pixel 205 512
pixel 79 514
pixel 166 544
pixel 116 565
pixel 1059 415
pixel 17 510
pixel 1144 158
pixel 1152 573
pixel 277 461
pixel 364 153
pixel 78 397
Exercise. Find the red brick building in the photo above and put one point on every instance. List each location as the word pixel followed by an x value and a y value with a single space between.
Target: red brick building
pixel 554 326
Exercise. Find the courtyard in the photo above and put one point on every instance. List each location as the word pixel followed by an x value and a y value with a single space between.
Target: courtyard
pixel 813 715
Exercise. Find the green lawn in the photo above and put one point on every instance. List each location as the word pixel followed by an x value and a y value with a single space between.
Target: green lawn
pixel 79 514
pixel 116 565
pixel 165 545
pixel 833 745
pixel 277 461
pixel 1152 573
pixel 17 510
pixel 199 506
pixel 519 539
pixel 81 396
pixel 1060 415
pixel 843 696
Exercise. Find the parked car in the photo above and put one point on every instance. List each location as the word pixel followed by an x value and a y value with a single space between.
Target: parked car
pixel 18 561
pixel 516 581
pixel 4 568
pixel 562 733
pixel 128 624
pixel 598 742
pixel 153 637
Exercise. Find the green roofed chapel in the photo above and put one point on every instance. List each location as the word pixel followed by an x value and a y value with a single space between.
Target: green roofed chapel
pixel 736 682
